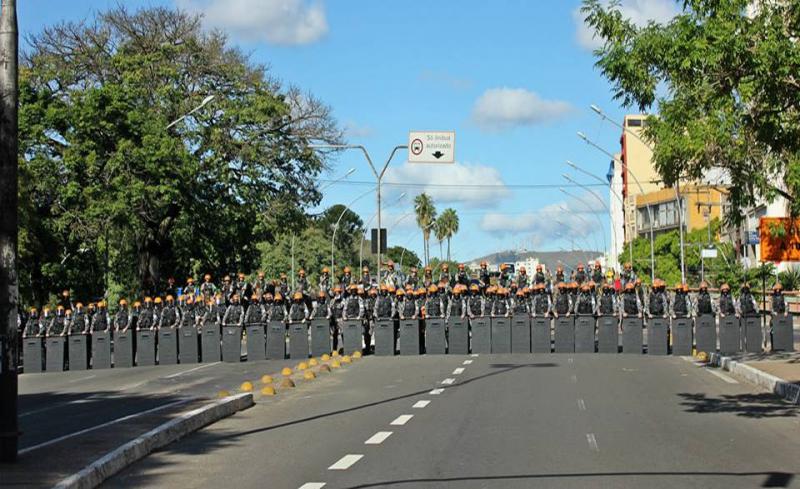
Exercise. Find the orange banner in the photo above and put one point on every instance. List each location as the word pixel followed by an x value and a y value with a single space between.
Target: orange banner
pixel 780 239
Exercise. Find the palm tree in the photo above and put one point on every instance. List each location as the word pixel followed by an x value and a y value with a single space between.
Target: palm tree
pixel 440 230
pixel 426 216
pixel 449 223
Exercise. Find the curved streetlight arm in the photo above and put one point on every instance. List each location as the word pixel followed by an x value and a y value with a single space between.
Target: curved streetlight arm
pixel 205 101
pixel 336 227
pixel 366 227
pixel 586 204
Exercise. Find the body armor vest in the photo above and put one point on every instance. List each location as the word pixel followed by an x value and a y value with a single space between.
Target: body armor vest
pixel 562 304
pixel 188 316
pixel 121 319
pixel 78 323
pixel 383 307
pixel 580 277
pixel 500 307
pixel 680 305
pixel 409 308
pixel 520 307
pixel 100 320
pixel 474 305
pixel 456 307
pixel 297 313
pixel 704 303
pixel 585 304
pixel 726 305
pixel 629 304
pixel 607 304
pixel 778 304
pixel 337 308
pixel 351 307
pixel 169 316
pixel 253 315
pixel 433 307
pixel 540 304
pixel 746 304
pixel 57 326
pixel 278 312
pixel 657 304
pixel 145 320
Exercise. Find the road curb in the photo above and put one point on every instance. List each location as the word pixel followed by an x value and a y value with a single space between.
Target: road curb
pixel 101 469
pixel 781 388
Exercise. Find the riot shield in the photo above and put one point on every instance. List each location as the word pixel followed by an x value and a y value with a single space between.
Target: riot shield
pixel 632 336
pixel 78 351
pixel 231 344
pixel 145 348
pixel 565 334
pixel 481 334
pixel 541 335
pixel 321 337
pixel 782 334
pixel 384 337
pixel 657 336
pixel 521 333
pixel 298 341
pixel 55 353
pixel 167 346
pixel 352 335
pixel 188 350
pixel 409 337
pixel 705 334
pixel 501 335
pixel 101 349
pixel 682 336
pixel 729 335
pixel 32 354
pixel 210 350
pixel 435 340
pixel 123 349
pixel 753 334
pixel 584 334
pixel 608 334
pixel 276 340
pixel 256 343
pixel 457 336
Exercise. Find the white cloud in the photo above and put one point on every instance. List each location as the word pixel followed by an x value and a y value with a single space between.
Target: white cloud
pixel 459 183
pixel 567 218
pixel 356 131
pixel 286 22
pixel 638 11
pixel 504 108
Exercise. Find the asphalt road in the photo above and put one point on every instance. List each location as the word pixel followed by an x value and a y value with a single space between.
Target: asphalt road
pixel 504 422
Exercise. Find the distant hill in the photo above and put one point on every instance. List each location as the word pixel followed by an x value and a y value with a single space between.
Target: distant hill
pixel 550 259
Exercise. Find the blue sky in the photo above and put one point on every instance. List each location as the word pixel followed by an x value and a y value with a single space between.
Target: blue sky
pixel 513 78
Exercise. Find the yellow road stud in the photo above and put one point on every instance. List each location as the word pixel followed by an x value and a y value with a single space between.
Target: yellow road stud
pixel 287 383
pixel 246 386
pixel 266 379
pixel 286 371
pixel 268 391
pixel 309 375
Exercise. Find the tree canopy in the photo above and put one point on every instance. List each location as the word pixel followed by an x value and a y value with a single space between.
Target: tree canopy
pixel 105 180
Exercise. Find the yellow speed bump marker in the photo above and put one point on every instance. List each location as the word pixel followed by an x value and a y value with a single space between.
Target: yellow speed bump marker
pixel 335 354
pixel 268 391
pixel 346 359
pixel 356 355
pixel 286 371
pixel 313 362
pixel 335 364
pixel 287 383
pixel 325 357
pixel 302 366
pixel 702 357
pixel 246 386
pixel 223 394
pixel 324 368
pixel 309 375
pixel 267 379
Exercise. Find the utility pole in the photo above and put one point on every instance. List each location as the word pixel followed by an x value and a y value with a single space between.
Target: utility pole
pixel 9 431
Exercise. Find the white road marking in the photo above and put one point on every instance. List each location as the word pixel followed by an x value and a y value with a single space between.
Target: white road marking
pixel 574 379
pixel 467 362
pixel 448 381
pixel 346 462
pixel 721 376
pixel 436 392
pixel 48 408
pixel 103 425
pixel 581 405
pixel 592 442
pixel 82 379
pixel 378 438
pixel 133 386
pixel 420 404
pixel 402 419
pixel 313 485
pixel 474 355
pixel 190 370
pixel 458 371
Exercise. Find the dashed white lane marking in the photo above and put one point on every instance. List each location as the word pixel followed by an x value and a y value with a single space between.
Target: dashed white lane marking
pixel 448 381
pixel 721 376
pixel 346 462
pixel 436 392
pixel 420 404
pixel 81 379
pixel 592 442
pixel 574 379
pixel 378 438
pixel 581 405
pixel 458 371
pixel 402 419
pixel 467 362
pixel 313 485
pixel 474 355
pixel 178 374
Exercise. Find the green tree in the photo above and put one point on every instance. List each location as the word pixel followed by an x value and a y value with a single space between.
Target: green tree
pixel 449 224
pixel 351 226
pixel 408 257
pixel 312 251
pixel 104 177
pixel 426 219
pixel 724 76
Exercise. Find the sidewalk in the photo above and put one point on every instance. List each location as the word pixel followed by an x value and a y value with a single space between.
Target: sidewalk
pixel 778 373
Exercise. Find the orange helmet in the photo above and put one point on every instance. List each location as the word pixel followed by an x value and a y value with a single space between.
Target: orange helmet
pixel 400 292
pixel 321 294
pixel 539 267
pixel 777 287
pixel 346 270
pixel 297 296
pixel 123 302
pixel 725 287
pixel 158 300
pixel 325 270
pixel 278 296
pixel 302 273
pixel 474 288
pixel 433 289
pixel 460 266
pixel 629 286
pixel 170 298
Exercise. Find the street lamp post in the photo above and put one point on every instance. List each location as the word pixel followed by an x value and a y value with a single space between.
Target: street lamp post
pixel 366 227
pixel 378 179
pixel 579 199
pixel 602 115
pixel 641 190
pixel 336 226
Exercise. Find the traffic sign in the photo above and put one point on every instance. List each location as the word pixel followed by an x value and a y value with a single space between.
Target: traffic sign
pixel 709 252
pixel 431 146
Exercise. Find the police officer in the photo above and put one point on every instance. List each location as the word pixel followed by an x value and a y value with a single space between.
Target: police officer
pixel 608 301
pixel 283 285
pixel 427 279
pixel 145 318
pixel 58 324
pixel 490 296
pixel 171 289
pixel 100 321
pixel 407 306
pixel 500 306
pixel 434 307
pixel 122 319
pixel 190 288
pixel 475 303
pixel 353 305
pixel 539 277
pixel 541 305
pixel 484 278
pixel 444 274
pixel 563 304
pixel 597 273
pixel 727 306
pixel 226 290
pixel 170 316
pixel 461 277
pixel 298 311
pixel 412 279
pixel 457 306
pixel 520 304
pixel 504 281
pixel 366 280
pixel 585 305
pixel 337 311
pixel 391 278
pixel 325 281
pixel 746 306
pixel 346 279
pixel 259 285
pixel 658 301
pixel 189 312
pixel 278 311
pixel 627 276
pixel 630 305
pixel 383 307
pixel 33 326
pixel 65 301
pixel 158 310
pixel 522 278
pixel 580 274
pixel 321 307
pixel 254 316
pixel 778 301
pixel 243 288
pixel 79 323
pixel 560 278
pixel 681 304
pixel 207 289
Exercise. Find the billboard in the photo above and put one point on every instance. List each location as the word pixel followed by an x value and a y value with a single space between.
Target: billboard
pixel 780 239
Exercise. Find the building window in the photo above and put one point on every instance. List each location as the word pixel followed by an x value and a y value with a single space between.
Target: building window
pixel 665 215
pixel 635 122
